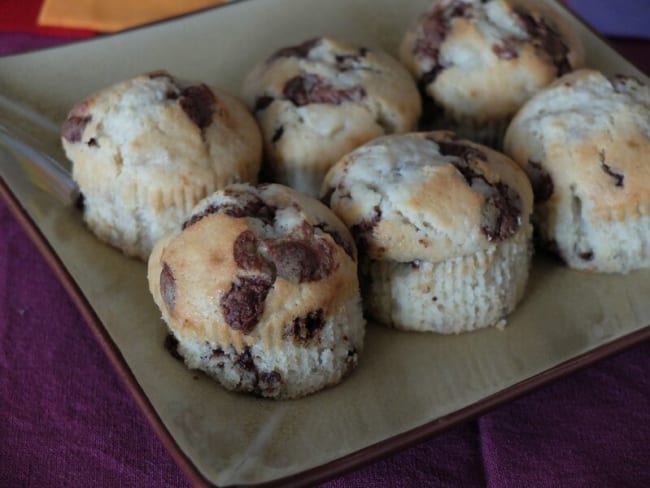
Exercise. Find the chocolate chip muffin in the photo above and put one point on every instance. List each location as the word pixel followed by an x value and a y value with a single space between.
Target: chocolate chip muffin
pixel 478 61
pixel 146 150
pixel 442 227
pixel 584 142
pixel 319 100
pixel 259 289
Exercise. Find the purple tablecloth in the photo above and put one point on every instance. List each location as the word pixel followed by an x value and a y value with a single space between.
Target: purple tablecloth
pixel 66 419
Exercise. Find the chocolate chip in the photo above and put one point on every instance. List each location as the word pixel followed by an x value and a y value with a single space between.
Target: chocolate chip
pixel 74 126
pixel 246 253
pixel 159 74
pixel 353 356
pixel 261 103
pixel 252 206
pixel 435 26
pixel 269 384
pixel 304 329
pixel 541 182
pixel 300 51
pixel 363 230
pixel 311 88
pixel 347 62
pixel 302 261
pixel 92 142
pixel 171 344
pixel 463 151
pixel 505 50
pixel 619 82
pixel 546 39
pixel 198 102
pixel 586 256
pixel 338 239
pixel 168 287
pixel 501 213
pixel 277 134
pixel 245 360
pixel 243 304
pixel 618 177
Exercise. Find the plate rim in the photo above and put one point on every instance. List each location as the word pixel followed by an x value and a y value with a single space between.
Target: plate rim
pixel 348 462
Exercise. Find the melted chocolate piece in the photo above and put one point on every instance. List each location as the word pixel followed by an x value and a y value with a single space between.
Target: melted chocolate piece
pixel 261 103
pixel 363 230
pixel 501 213
pixel 74 125
pixel 243 304
pixel 586 256
pixel 541 182
pixel 246 253
pixel 171 344
pixel 302 261
pixel 310 88
pixel 619 81
pixel 159 74
pixel 245 361
pixel 338 239
pixel 269 384
pixel 304 329
pixel 168 287
pixel 299 51
pixel 505 50
pixel 277 134
pixel 253 207
pixel 434 28
pixel 346 62
pixel 460 150
pixel 546 39
pixel 198 102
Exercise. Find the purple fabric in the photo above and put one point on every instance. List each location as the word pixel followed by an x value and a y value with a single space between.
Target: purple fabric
pixel 67 420
pixel 629 18
pixel 14 43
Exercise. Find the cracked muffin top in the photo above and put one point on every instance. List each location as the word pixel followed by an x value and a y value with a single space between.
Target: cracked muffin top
pixel 248 261
pixel 484 58
pixel 427 196
pixel 320 99
pixel 144 151
pixel 587 135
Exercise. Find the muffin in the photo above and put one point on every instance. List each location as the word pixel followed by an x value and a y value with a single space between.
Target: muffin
pixel 146 150
pixel 478 61
pixel 442 227
pixel 321 99
pixel 259 289
pixel 584 142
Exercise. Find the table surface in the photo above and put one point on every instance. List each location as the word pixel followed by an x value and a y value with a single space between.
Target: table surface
pixel 66 419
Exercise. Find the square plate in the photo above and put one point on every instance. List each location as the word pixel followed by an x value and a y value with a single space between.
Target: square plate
pixel 408 386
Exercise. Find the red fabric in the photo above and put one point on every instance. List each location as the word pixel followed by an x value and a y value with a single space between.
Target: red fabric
pixel 21 15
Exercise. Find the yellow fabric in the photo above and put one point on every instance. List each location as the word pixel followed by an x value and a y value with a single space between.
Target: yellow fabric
pixel 114 15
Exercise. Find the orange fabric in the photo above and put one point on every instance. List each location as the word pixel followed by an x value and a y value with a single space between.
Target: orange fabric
pixel 114 15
